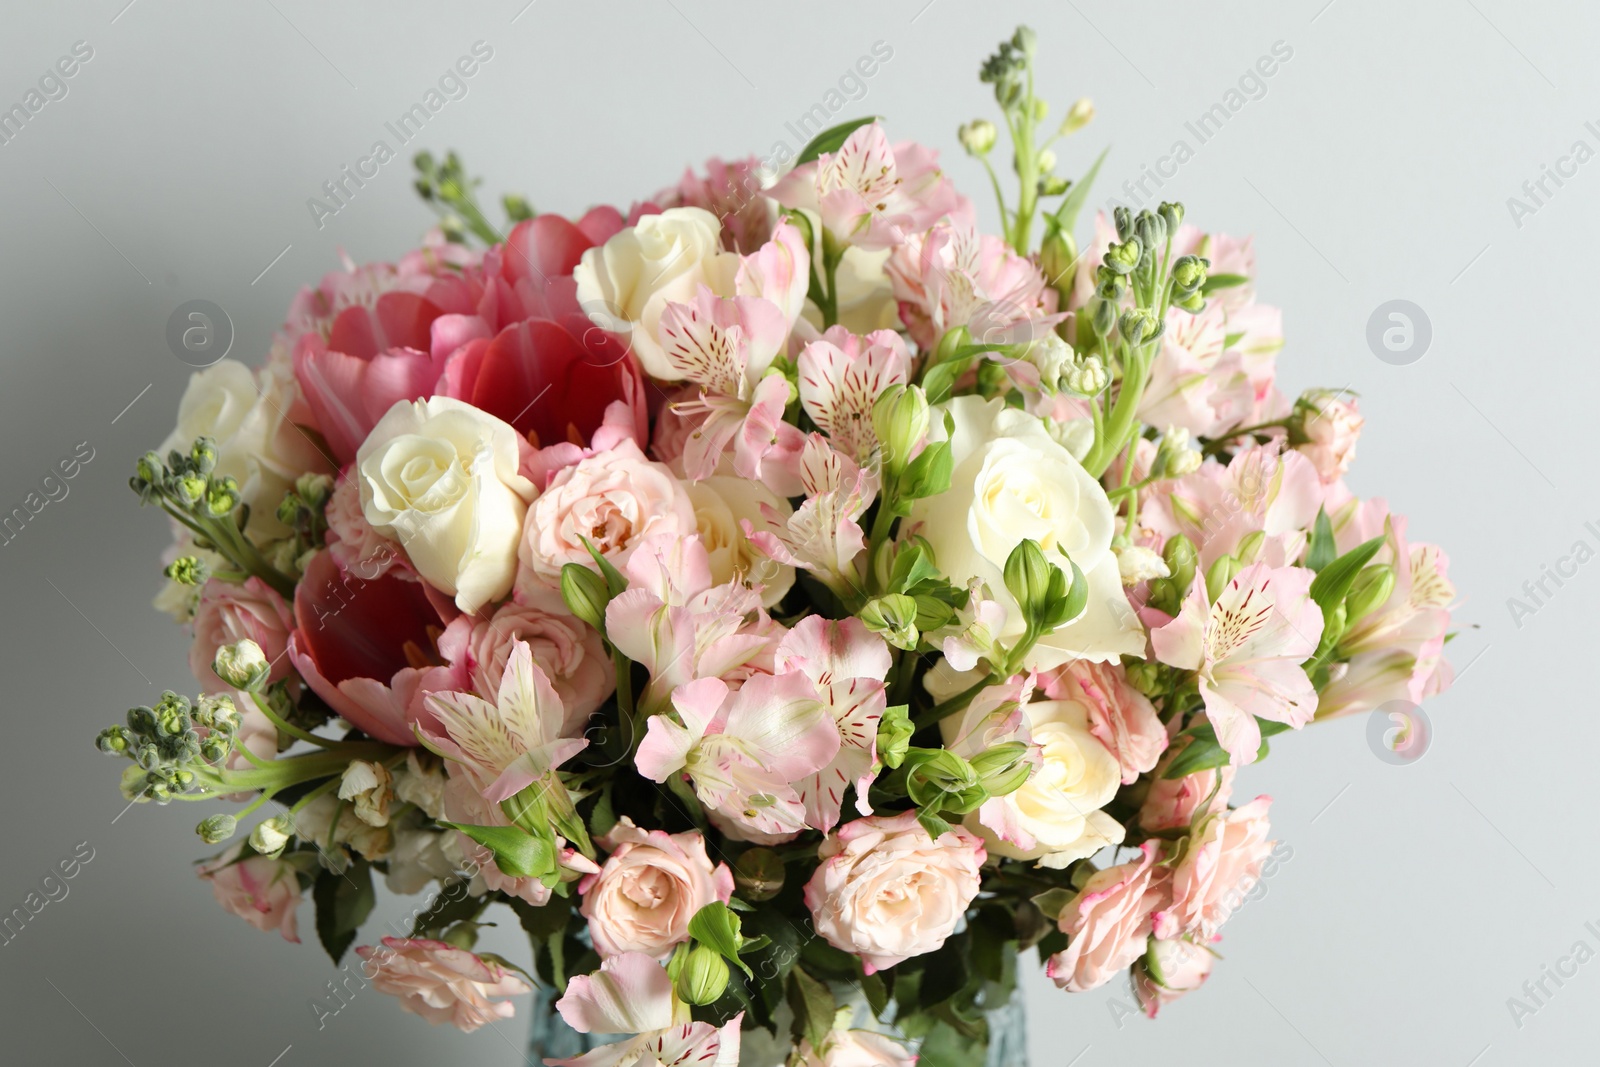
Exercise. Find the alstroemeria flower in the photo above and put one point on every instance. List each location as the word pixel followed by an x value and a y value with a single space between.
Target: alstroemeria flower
pixel 955 276
pixel 824 534
pixel 632 994
pixel 510 744
pixel 744 749
pixel 1248 648
pixel 870 194
pixel 847 663
pixel 841 378
pixel 1216 507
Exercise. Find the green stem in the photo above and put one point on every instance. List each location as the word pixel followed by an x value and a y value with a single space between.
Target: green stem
pixel 1027 173
pixel 945 709
pixel 289 728
pixel 1219 443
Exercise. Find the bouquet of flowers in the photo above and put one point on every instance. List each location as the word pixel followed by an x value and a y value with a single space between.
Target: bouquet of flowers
pixel 785 601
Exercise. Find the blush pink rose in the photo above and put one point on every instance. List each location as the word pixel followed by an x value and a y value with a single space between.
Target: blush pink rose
pixel 568 650
pixel 441 983
pixel 1222 864
pixel 1169 970
pixel 615 500
pixel 1325 432
pixel 231 611
pixel 263 892
pixel 1121 717
pixel 649 888
pixel 1171 803
pixel 1109 921
pixel 887 891
pixel 352 541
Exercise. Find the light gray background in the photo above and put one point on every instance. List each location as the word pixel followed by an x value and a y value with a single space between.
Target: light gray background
pixel 1377 166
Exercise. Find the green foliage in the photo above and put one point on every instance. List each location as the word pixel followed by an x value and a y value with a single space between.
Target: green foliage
pixel 343 902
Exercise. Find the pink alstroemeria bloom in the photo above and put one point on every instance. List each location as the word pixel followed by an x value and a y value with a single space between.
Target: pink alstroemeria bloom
pixel 1216 507
pixel 841 378
pixel 744 749
pixel 1248 648
pixel 725 345
pixel 632 994
pixel 508 745
pixel 956 276
pixel 730 190
pixel 824 534
pixel 680 627
pixel 870 194
pixel 847 664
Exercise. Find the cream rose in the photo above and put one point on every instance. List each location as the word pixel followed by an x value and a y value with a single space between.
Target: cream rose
pixel 886 891
pixel 626 283
pixel 649 888
pixel 614 500
pixel 1055 816
pixel 441 477
pixel 568 650
pixel 720 502
pixel 246 413
pixel 1013 481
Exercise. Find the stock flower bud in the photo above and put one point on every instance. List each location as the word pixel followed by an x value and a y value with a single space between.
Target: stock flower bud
pixel 1105 317
pixel 1138 325
pixel 242 665
pixel 1174 457
pixel 1151 229
pixel 204 454
pixel 759 874
pixel 114 740
pixel 1079 115
pixel 1189 273
pixel 1123 258
pixel 190 489
pixel 271 836
pixel 900 418
pixel 222 498
pixel 702 977
pixel 1123 219
pixel 1054 359
pixel 977 137
pixel 1026 41
pixel 1088 377
pixel 1172 214
pixel 1136 564
pixel 215 829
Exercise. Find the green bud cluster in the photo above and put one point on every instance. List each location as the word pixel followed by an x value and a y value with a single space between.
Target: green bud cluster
pixel 189 481
pixel 171 742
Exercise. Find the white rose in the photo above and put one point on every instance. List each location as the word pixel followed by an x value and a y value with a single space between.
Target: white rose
pixel 440 477
pixel 1059 805
pixel 720 502
pixel 246 413
pixel 866 296
pixel 1013 481
pixel 626 283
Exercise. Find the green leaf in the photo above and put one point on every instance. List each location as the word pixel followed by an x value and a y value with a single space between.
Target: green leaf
pixel 813 1005
pixel 1321 551
pixel 343 903
pixel 451 905
pixel 928 474
pixel 1215 282
pixel 935 826
pixel 615 582
pixel 876 990
pixel 1335 580
pixel 1066 215
pixel 1053 901
pixel 1200 754
pixel 940 379
pixel 604 816
pixel 719 929
pixel 831 139
pixel 516 852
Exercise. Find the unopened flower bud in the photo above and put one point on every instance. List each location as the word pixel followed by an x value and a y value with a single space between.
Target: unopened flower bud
pixel 893 615
pixel 1181 559
pixel 586 594
pixel 1123 258
pixel 1079 115
pixel 1138 325
pixel 242 665
pixel 1026 41
pixel 1250 546
pixel 977 137
pixel 1123 219
pixel 703 976
pixel 271 836
pixel 150 469
pixel 894 735
pixel 1218 576
pixel 940 780
pixel 1136 563
pixel 1151 229
pixel 1047 161
pixel 1372 588
pixel 115 740
pixel 215 829
pixel 1172 214
pixel 1145 676
pixel 759 874
pixel 1088 377
pixel 1188 274
pixel 900 418
pixel 1054 360
pixel 190 489
pixel 1105 317
pixel 1174 457
pixel 204 455
pixel 1003 768
pixel 222 497
pixel 187 570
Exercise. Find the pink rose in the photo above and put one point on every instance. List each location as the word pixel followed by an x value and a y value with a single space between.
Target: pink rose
pixel 263 892
pixel 886 891
pixel 352 541
pixel 1171 803
pixel 649 888
pixel 441 983
pixel 1108 922
pixel 1221 865
pixel 1325 431
pixel 1121 717
pixel 1169 970
pixel 229 612
pixel 614 500
pixel 569 652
